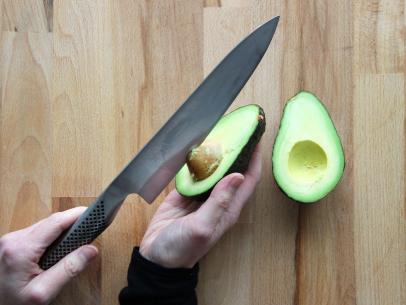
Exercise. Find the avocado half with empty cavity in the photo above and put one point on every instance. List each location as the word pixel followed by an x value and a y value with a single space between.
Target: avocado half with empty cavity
pixel 227 149
pixel 308 158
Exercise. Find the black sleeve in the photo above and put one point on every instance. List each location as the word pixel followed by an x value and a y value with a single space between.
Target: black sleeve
pixel 151 284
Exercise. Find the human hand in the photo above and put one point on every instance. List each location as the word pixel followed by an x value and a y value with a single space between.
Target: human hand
pixel 181 231
pixel 22 281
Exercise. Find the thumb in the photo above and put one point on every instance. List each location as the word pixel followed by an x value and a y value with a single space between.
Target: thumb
pixel 51 281
pixel 210 213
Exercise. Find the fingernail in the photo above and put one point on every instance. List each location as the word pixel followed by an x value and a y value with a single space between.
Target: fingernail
pixel 89 252
pixel 235 183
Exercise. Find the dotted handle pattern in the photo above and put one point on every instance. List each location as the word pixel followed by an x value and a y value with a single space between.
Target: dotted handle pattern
pixel 83 232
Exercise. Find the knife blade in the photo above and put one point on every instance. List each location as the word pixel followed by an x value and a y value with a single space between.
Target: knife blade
pixel 148 173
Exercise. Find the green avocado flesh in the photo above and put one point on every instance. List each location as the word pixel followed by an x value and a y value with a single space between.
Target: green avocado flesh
pixel 227 148
pixel 308 157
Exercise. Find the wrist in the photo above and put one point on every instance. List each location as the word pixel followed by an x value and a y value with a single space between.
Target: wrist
pixel 166 259
pixel 159 264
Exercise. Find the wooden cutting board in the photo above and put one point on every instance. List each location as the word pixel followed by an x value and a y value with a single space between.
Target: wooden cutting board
pixel 84 84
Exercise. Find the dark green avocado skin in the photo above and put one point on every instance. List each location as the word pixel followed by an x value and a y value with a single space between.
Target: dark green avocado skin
pixel 240 165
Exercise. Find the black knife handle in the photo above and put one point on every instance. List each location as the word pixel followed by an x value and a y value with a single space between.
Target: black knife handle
pixel 90 224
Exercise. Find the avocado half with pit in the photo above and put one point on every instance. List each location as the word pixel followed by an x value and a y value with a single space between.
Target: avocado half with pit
pixel 227 149
pixel 308 157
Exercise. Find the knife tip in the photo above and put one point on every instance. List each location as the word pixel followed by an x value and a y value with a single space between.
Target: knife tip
pixel 270 24
pixel 275 19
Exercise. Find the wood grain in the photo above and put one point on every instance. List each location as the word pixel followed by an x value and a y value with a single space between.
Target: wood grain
pixel 229 3
pixel 27 15
pixel 26 168
pixel 379 32
pixel 81 96
pixel 379 215
pixel 84 85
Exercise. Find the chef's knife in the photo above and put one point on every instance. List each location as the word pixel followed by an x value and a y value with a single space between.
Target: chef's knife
pixel 155 165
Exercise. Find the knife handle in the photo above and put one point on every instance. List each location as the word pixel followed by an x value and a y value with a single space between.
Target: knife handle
pixel 89 225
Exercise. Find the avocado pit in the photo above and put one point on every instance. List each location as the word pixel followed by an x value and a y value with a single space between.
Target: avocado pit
pixel 203 160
